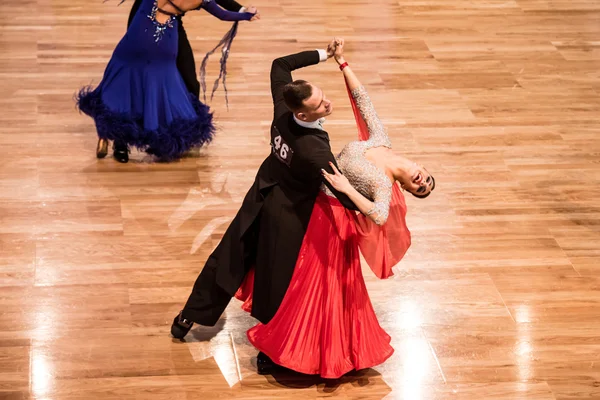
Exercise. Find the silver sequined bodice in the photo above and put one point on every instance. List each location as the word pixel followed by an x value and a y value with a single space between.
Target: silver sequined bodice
pixel 363 175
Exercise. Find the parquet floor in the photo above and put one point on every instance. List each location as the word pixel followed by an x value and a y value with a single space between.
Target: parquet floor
pixel 499 296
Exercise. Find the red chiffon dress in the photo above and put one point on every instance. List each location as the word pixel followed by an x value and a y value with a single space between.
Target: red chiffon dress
pixel 326 324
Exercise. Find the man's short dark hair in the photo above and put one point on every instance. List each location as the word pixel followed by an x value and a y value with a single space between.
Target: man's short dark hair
pixel 295 93
pixel 422 196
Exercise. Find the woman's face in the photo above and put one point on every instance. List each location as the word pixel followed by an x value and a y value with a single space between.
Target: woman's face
pixel 418 180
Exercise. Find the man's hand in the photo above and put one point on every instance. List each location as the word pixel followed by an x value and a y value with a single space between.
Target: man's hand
pixel 253 10
pixel 331 49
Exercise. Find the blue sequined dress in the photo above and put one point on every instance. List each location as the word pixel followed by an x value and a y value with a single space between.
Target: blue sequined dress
pixel 142 99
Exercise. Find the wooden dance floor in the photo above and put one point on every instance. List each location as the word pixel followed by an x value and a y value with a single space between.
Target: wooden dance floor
pixel 498 297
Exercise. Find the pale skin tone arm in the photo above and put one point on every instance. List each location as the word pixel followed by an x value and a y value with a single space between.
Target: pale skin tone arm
pixel 337 180
pixel 367 111
pixel 337 47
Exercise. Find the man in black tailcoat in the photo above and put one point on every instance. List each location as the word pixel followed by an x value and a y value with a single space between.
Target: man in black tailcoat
pixel 268 230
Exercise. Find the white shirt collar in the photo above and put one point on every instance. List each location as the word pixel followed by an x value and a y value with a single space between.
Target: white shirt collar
pixel 318 124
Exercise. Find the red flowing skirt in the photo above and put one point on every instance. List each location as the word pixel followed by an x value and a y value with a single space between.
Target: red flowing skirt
pixel 326 324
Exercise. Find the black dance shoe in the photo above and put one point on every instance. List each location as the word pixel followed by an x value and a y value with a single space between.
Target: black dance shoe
pixel 180 327
pixel 121 153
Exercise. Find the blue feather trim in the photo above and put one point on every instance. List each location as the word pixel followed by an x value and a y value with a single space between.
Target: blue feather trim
pixel 167 142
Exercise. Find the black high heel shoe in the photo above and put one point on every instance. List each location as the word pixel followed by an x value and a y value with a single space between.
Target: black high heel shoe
pixel 102 148
pixel 120 152
pixel 264 365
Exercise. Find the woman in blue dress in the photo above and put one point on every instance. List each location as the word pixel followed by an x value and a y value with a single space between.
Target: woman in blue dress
pixel 142 100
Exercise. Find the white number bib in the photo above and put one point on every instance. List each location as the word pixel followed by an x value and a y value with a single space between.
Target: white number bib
pixel 282 150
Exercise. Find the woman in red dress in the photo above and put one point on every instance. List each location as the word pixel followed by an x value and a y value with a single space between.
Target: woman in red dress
pixel 326 324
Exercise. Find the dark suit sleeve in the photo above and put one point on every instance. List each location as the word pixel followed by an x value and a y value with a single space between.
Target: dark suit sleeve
pixel 134 9
pixel 320 159
pixel 230 5
pixel 281 75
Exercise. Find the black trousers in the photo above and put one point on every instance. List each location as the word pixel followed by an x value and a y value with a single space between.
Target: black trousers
pixel 208 300
pixel 185 56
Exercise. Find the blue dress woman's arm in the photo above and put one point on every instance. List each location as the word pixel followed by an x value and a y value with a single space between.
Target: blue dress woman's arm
pixel 213 8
